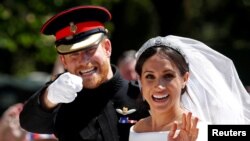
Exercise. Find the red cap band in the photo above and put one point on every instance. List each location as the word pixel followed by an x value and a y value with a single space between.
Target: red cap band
pixel 77 28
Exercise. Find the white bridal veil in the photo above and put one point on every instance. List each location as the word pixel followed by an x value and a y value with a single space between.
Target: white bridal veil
pixel 215 92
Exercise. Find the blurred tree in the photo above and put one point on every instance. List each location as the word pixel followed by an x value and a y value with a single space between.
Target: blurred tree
pixel 224 25
pixel 22 48
pixel 134 21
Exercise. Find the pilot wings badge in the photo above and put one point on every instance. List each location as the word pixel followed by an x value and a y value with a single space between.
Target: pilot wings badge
pixel 124 112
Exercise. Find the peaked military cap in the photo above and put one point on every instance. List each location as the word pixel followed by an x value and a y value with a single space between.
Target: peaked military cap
pixel 77 28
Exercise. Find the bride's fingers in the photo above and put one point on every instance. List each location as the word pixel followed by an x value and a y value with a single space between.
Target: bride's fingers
pixel 195 134
pixel 194 130
pixel 188 121
pixel 172 131
pixel 183 121
pixel 195 122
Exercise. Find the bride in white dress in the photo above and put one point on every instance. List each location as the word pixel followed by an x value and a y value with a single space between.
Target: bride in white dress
pixel 163 135
pixel 182 79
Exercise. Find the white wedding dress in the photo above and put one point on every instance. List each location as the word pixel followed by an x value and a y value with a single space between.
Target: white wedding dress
pixel 163 135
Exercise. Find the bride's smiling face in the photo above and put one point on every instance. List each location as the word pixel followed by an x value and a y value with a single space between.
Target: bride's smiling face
pixel 162 82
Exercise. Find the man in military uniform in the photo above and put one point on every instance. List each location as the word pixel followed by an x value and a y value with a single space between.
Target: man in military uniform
pixel 87 102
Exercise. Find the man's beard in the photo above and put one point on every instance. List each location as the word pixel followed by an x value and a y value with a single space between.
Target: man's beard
pixel 98 78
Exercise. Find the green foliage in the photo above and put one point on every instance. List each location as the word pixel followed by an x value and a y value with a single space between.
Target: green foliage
pixel 223 24
pixel 20 23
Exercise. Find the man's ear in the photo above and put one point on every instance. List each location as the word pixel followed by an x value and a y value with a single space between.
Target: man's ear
pixel 62 59
pixel 107 46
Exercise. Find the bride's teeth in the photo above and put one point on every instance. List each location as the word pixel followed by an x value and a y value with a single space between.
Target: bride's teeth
pixel 160 96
